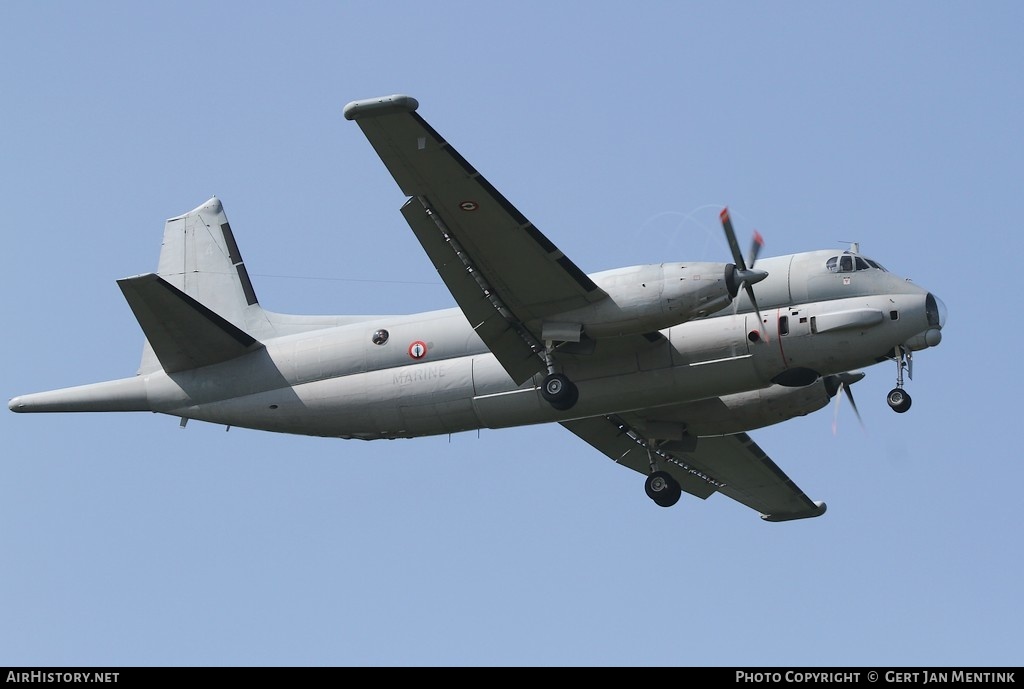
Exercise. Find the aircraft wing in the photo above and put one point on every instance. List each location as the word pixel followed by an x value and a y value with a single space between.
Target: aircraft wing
pixel 503 272
pixel 733 465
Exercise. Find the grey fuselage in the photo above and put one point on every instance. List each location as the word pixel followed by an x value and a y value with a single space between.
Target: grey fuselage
pixel 433 375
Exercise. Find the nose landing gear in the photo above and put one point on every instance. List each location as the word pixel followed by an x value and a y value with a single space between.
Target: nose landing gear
pixel 898 398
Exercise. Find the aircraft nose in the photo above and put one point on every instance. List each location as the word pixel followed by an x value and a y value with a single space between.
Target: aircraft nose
pixel 935 309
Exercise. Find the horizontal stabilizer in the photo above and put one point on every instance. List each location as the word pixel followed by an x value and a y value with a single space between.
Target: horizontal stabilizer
pixel 183 333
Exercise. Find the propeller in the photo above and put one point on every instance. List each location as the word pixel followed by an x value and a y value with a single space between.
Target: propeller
pixel 843 381
pixel 743 276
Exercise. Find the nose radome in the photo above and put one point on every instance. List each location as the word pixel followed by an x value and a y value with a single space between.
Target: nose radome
pixel 936 310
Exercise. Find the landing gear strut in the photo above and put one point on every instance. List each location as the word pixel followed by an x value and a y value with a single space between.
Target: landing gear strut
pixel 898 398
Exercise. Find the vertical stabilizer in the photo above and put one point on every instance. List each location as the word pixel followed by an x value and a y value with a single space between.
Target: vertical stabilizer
pixel 199 256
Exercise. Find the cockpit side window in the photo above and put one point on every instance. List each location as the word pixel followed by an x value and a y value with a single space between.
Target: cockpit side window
pixel 845 264
pixel 831 264
pixel 861 263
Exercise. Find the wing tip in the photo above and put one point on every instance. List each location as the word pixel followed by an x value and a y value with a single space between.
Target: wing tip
pixel 383 105
pixel 818 510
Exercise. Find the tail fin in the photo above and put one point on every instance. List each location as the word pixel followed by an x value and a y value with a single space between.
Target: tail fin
pixel 200 258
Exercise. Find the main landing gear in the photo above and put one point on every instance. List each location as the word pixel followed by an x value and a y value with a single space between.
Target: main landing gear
pixel 663 489
pixel 556 388
pixel 898 398
pixel 558 391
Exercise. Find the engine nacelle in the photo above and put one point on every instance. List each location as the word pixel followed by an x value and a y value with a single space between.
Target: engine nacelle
pixel 648 298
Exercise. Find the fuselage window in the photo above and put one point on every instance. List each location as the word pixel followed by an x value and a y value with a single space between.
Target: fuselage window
pixel 380 337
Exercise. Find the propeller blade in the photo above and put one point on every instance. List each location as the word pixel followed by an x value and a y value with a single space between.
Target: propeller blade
pixel 755 248
pixel 842 382
pixel 853 403
pixel 744 275
pixel 760 320
pixel 835 414
pixel 730 236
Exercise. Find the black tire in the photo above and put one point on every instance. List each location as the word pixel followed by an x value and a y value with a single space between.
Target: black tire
pixel 570 399
pixel 663 489
pixel 560 392
pixel 899 400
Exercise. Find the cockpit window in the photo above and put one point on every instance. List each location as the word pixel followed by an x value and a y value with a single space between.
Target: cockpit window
pixel 847 263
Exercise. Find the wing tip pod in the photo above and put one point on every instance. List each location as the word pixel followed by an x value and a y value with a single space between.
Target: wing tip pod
pixel 818 510
pixel 383 105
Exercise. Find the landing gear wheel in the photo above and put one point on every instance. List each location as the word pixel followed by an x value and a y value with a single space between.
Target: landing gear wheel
pixel 663 489
pixel 558 391
pixel 898 400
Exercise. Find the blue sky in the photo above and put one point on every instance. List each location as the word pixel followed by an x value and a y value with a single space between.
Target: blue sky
pixel 620 130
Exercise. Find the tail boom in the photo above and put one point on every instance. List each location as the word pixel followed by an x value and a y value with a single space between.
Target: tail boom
pixel 125 394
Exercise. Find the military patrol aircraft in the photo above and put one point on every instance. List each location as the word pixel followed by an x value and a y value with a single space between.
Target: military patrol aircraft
pixel 663 368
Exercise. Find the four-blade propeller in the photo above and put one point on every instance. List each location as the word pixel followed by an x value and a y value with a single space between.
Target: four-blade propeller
pixel 743 276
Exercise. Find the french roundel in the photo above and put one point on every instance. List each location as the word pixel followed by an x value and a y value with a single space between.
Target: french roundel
pixel 418 349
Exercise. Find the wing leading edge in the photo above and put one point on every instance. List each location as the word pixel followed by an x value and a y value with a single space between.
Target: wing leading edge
pixel 733 465
pixel 505 275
